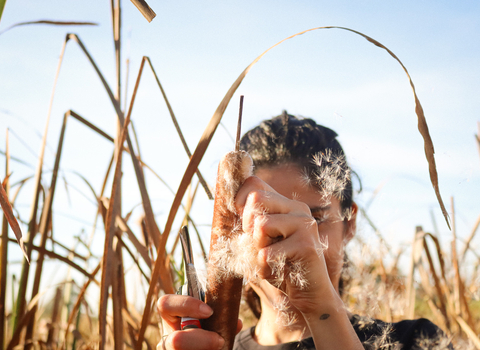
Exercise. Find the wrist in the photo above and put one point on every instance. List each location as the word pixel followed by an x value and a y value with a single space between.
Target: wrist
pixel 327 307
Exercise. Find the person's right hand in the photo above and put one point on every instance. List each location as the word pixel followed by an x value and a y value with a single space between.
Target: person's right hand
pixel 172 308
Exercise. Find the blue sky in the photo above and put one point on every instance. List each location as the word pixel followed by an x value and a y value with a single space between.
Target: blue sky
pixel 198 48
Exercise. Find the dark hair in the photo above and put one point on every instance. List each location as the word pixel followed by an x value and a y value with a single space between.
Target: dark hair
pixel 289 139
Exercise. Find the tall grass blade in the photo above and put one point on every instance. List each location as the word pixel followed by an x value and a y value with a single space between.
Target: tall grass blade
pixel 24 321
pixel 117 295
pixel 52 336
pixel 179 131
pixel 90 125
pixel 49 22
pixel 108 258
pixel 44 227
pixel 132 255
pixel 4 250
pixel 470 238
pixel 144 9
pixel 437 283
pixel 2 7
pixel 62 259
pixel 469 331
pixel 117 25
pixel 415 259
pixel 457 285
pixel 32 223
pixel 152 227
pixel 12 221
pixel 77 304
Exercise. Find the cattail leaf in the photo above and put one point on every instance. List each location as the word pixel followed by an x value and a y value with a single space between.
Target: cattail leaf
pixel 12 220
pixel 50 22
pixel 2 6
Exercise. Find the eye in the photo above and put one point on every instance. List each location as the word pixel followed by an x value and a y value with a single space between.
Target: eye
pixel 320 218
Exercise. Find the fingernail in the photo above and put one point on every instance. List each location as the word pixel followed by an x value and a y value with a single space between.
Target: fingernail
pixel 221 342
pixel 205 309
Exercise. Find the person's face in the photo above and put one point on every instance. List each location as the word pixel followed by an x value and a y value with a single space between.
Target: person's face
pixel 333 228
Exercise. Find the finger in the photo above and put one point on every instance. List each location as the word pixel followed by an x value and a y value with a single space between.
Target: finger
pixel 171 307
pixel 193 339
pixel 269 229
pixel 260 203
pixel 274 261
pixel 251 184
pixel 239 326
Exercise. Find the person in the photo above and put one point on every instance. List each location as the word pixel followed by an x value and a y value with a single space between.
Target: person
pixel 302 183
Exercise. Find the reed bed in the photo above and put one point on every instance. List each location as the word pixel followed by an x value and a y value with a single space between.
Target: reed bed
pixel 68 318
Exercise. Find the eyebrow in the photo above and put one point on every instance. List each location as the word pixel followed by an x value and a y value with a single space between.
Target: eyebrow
pixel 317 209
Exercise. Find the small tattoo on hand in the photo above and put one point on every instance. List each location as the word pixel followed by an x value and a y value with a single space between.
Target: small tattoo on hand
pixel 324 316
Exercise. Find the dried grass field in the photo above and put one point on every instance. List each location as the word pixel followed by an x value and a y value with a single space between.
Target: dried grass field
pixel 100 291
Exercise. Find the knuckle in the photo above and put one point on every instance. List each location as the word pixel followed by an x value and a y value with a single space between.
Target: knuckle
pixel 163 303
pixel 262 224
pixel 254 198
pixel 175 340
pixel 303 207
pixel 252 181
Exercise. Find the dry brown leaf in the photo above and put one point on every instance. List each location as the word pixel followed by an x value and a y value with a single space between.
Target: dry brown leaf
pixel 12 220
pixel 143 7
pixel 49 22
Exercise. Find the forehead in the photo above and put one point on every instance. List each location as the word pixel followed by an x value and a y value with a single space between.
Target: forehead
pixel 290 181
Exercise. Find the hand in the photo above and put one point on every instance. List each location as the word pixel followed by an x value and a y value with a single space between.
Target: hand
pixel 283 227
pixel 171 308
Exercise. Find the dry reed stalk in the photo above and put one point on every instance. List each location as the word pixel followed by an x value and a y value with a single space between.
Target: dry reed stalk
pixel 54 326
pixel 457 283
pixel 24 322
pixel 415 259
pixel 468 331
pixel 179 131
pixel 76 306
pixel 32 222
pixel 45 223
pixel 4 248
pixel 122 225
pixel 144 9
pixel 63 259
pixel 118 294
pixel 132 255
pixel 437 283
pixel 469 239
pixel 141 249
pixel 185 220
pixel 108 259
